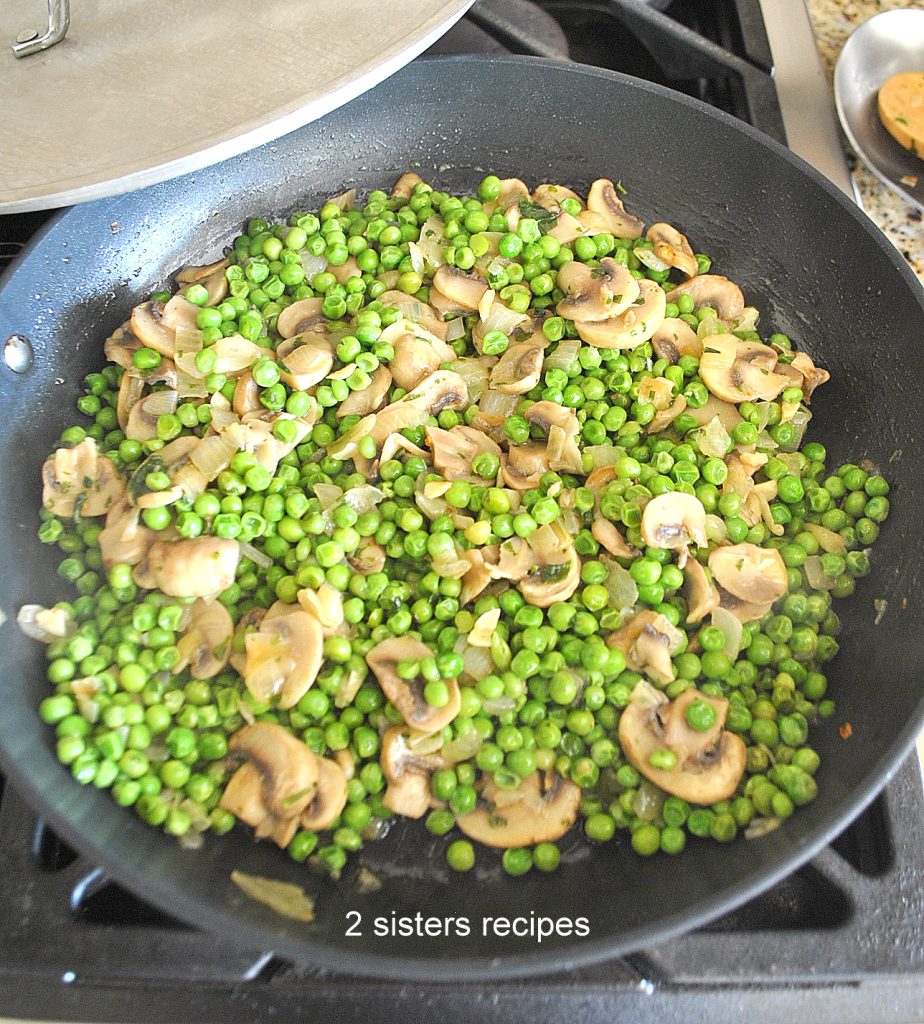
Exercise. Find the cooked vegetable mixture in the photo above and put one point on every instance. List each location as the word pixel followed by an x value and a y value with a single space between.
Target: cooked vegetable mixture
pixel 493 511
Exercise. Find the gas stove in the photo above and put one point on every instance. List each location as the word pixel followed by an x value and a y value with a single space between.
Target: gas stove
pixel 843 935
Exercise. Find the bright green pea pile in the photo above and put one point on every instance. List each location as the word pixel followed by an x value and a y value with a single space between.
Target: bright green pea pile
pixel 159 740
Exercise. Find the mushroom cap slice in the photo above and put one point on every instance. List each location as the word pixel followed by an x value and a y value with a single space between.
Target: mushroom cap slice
pixel 540 810
pixel 561 427
pixel 607 534
pixel 522 467
pixel 713 290
pixel 411 308
pixel 246 396
pixel 463 290
pixel 329 799
pixel 518 370
pixel 671 246
pixel 121 346
pixel 361 403
pixel 676 338
pixel 549 196
pixel 298 317
pixel 305 360
pixel 812 376
pixel 190 567
pixel 284 656
pixel 416 358
pixel 557 567
pixel 407 772
pixel 596 293
pixel 740 371
pixel 147 324
pixel 631 328
pixel 125 538
pixel 453 451
pixel 407 695
pixel 702 596
pixel 288 769
pixel 79 481
pixel 750 573
pixel 648 641
pixel 604 199
pixel 710 764
pixel 205 645
pixel 443 389
pixel 674 520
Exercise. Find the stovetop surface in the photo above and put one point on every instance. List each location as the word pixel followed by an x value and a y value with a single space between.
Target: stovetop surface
pixel 844 934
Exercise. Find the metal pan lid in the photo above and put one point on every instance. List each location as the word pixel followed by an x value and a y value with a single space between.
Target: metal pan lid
pixel 138 92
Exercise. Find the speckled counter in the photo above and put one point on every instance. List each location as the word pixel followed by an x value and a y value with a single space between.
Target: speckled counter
pixel 833 21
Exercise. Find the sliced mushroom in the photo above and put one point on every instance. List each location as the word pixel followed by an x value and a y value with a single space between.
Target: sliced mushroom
pixel 607 535
pixel 561 427
pixel 631 328
pixel 749 572
pixel 744 611
pixel 740 371
pixel 604 199
pixel 556 571
pixel 596 293
pixel 407 695
pixel 812 376
pixel 361 403
pixel 465 290
pixel 411 308
pixel 125 538
pixel 441 390
pixel 407 773
pixel 549 197
pixel 648 641
pixel 659 391
pixel 540 810
pixel 674 520
pixel 673 248
pixel 121 346
pixel 518 370
pixel 512 190
pixel 585 224
pixel 404 186
pixel 174 459
pixel 368 558
pixel 702 597
pixel 305 360
pixel 148 326
pixel 416 358
pixel 330 797
pixel 712 290
pixel 523 466
pixel 211 277
pixel 191 567
pixel 453 451
pixel 284 656
pixel 205 645
pixel 710 764
pixel 676 338
pixel 299 317
pixel 325 604
pixel 80 482
pixel 246 395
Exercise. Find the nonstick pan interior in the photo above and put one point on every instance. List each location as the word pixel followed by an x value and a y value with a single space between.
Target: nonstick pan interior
pixel 815 267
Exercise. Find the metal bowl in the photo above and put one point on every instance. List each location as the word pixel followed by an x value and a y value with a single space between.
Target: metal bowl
pixel 880 48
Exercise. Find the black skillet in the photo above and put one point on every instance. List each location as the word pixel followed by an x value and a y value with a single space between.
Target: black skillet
pixel 812 263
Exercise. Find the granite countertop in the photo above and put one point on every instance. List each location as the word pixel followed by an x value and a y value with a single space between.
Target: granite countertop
pixel 833 21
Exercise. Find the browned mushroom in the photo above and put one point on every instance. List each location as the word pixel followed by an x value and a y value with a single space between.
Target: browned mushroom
pixel 246 396
pixel 121 346
pixel 407 695
pixel 299 317
pixel 454 449
pixel 205 645
pixel 676 338
pixel 211 277
pixel 631 328
pixel 607 535
pixel 80 482
pixel 330 797
pixel 556 567
pixel 284 656
pixel 549 197
pixel 416 358
pixel 709 764
pixel 674 520
pixel 740 371
pixel 561 427
pixel 604 200
pixel 648 641
pixel 702 597
pixel 191 567
pixel 465 290
pixel 522 467
pixel 540 810
pixel 368 558
pixel 672 248
pixel 407 772
pixel 712 290
pixel 325 604
pixel 125 538
pixel 405 185
pixel 595 293
pixel 361 403
pixel 812 376
pixel 749 572
pixel 518 370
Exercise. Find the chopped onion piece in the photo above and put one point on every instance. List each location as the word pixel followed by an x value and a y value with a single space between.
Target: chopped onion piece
pixel 621 587
pixel 212 454
pixel 463 747
pixel 432 242
pixel 501 318
pixel 345 200
pixel 713 439
pixel 650 260
pixel 416 257
pixel 45 624
pixel 716 530
pixel 328 494
pixel 747 319
pixel 815 574
pixel 483 629
pixel 256 556
pixel 800 421
pixel 496 403
pixel 281 897
pixel 499 706
pixel 564 355
pixel 648 801
pixel 312 264
pixel 455 329
pixel 486 304
pixel 827 539
pixel 762 827
pixel 646 695
pixel 732 630
pixel 348 688
pixel 474 373
pixel 363 498
pixel 603 454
